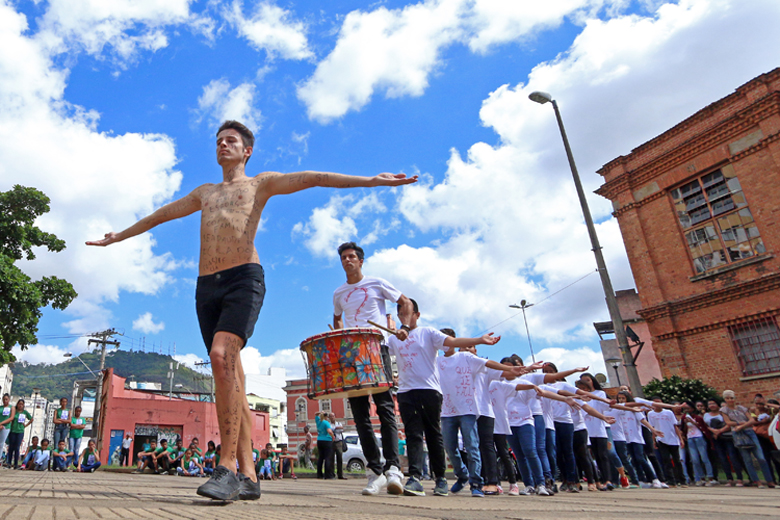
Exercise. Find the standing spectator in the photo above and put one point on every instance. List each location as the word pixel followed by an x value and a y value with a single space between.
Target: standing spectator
pixel 5 414
pixel 763 417
pixel 60 457
pixel 338 445
pixel 745 439
pixel 124 458
pixel 724 446
pixel 77 424
pixel 90 459
pixel 697 434
pixel 668 441
pixel 324 447
pixel 307 447
pixel 20 420
pixel 61 422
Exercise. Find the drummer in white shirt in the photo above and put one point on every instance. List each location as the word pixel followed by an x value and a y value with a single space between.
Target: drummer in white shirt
pixel 360 300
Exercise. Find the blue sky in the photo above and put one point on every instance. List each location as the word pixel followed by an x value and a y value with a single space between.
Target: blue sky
pixel 110 107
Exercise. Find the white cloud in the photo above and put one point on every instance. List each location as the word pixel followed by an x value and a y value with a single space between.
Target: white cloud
pixel 190 361
pixel 220 103
pixel 567 359
pixel 271 28
pixel 97 181
pixel 508 213
pixel 146 324
pixel 38 354
pixel 124 26
pixel 290 359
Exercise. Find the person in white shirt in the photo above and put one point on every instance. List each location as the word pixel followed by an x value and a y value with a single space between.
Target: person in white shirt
pixel 360 300
pixel 5 412
pixel 124 458
pixel 458 372
pixel 420 396
pixel 633 421
pixel 338 445
pixel 694 427
pixel 668 441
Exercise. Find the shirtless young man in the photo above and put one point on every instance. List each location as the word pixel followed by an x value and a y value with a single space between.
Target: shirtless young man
pixel 231 286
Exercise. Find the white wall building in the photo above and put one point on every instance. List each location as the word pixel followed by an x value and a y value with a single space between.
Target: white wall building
pixel 6 379
pixel 266 392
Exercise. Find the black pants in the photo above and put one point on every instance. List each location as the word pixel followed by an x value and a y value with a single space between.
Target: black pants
pixel 670 459
pixel 502 450
pixel 487 449
pixel 598 445
pixel 338 453
pixel 650 454
pixel 421 414
pixel 767 447
pixel 361 414
pixel 163 464
pixel 582 456
pixel 14 442
pixel 325 458
pixel 124 457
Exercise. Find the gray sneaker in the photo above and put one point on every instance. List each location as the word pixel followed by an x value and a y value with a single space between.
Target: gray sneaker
pixel 249 490
pixel 413 488
pixel 442 488
pixel 223 485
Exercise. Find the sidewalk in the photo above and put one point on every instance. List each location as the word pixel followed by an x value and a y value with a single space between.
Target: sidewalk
pixel 63 496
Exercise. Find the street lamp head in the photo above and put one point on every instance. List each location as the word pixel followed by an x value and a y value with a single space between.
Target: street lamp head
pixel 522 303
pixel 540 97
pixel 613 361
pixel 515 306
pixel 67 354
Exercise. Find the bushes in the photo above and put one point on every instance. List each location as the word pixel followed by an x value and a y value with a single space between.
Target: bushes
pixel 675 388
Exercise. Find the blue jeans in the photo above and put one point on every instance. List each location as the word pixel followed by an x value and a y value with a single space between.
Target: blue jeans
pixel 757 453
pixel 541 445
pixel 467 424
pixel 75 445
pixel 644 469
pixel 564 435
pixel 523 443
pixel 697 449
pixel 60 434
pixel 58 463
pixel 684 460
pixel 549 446
pixel 86 468
pixel 621 447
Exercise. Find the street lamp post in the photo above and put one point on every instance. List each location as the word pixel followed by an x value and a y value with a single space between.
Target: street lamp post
pixel 524 305
pixel 35 394
pixel 615 363
pixel 609 293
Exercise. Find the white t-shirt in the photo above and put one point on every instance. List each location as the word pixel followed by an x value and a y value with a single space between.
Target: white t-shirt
pixel 548 406
pixel 457 378
pixel 562 412
pixel 534 379
pixel 596 427
pixel 127 442
pixel 500 391
pixel 578 419
pixel 632 427
pixel 416 359
pixel 481 391
pixel 618 434
pixel 693 430
pixel 665 422
pixel 363 301
pixel 518 407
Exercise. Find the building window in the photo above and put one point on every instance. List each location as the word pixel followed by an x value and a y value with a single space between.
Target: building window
pixel 325 405
pixel 347 409
pixel 716 220
pixel 757 345
pixel 301 412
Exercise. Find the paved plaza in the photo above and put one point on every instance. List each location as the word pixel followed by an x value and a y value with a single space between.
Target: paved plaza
pixel 108 495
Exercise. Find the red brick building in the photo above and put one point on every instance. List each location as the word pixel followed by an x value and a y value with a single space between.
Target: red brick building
pixel 301 411
pixel 147 415
pixel 699 211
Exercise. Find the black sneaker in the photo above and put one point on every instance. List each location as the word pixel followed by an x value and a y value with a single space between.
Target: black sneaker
pixel 414 488
pixel 223 485
pixel 249 490
pixel 441 489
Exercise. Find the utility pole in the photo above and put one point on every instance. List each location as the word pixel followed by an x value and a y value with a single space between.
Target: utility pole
pixel 103 341
pixel 205 364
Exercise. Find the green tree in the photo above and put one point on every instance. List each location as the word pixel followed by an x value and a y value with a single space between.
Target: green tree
pixel 21 298
pixel 675 388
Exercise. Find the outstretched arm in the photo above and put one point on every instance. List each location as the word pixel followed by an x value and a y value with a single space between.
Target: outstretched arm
pixel 176 209
pixel 487 339
pixel 595 413
pixel 551 378
pixel 282 184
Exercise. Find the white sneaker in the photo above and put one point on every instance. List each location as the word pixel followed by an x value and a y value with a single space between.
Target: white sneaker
pixel 529 490
pixel 394 481
pixel 514 490
pixel 375 483
pixel 542 491
pixel 657 484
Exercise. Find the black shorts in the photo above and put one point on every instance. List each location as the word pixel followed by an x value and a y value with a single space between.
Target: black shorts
pixel 230 301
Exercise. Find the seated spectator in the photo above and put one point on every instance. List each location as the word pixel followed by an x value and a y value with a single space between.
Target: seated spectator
pixel 162 457
pixel 61 457
pixel 256 457
pixel 190 464
pixel 269 448
pixel 30 453
pixel 287 463
pixel 40 461
pixel 266 467
pixel 177 454
pixel 90 459
pixel 196 449
pixel 208 458
pixel 146 458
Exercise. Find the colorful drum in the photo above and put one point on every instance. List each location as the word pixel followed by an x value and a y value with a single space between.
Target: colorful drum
pixel 345 363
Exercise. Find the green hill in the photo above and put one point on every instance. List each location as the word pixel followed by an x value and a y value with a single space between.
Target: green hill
pixel 56 381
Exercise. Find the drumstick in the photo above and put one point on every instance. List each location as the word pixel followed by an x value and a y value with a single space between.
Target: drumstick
pixel 381 327
pixel 330 326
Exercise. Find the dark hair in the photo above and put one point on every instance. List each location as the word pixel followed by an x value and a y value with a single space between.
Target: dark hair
pixel 449 332
pixel 773 401
pixel 211 445
pixel 164 440
pixel 692 406
pixel 351 245
pixel 45 440
pixel 34 437
pixel 507 361
pixel 195 439
pixel 654 397
pixel 77 408
pixel 550 363
pixel 17 403
pixel 516 360
pixel 247 137
pixel 416 308
pixel 627 395
pixel 596 384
